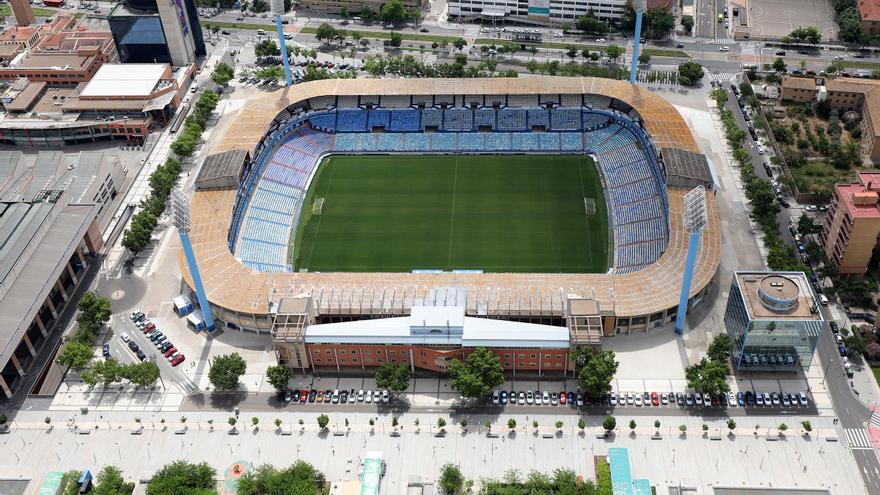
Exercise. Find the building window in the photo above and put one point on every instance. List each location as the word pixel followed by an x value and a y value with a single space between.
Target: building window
pixel 342 352
pixel 354 360
pixel 507 356
pixel 532 365
pixel 546 356
pixel 343 360
pixel 532 356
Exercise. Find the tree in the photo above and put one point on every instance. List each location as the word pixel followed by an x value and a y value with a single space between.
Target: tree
pixel 581 423
pixel 451 479
pixel 808 427
pixel 571 51
pixel 609 423
pixel 142 374
pixel 393 376
pixel 301 478
pixel 644 57
pixel 559 425
pixel 779 65
pixel 226 370
pixel 459 43
pixel 479 373
pixel 808 34
pixel 656 423
pixel 632 425
pixel 708 376
pixel 690 73
pixel 105 372
pixel 872 351
pixel 269 74
pixel 589 24
pixel 75 355
pixel 323 420
pixel 393 12
pixel 259 6
pixel 94 312
pixel 682 428
pixel 279 376
pixel 806 226
pixel 267 48
pixel 367 14
pixel 613 52
pixel 783 426
pixel 596 370
pixel 396 39
pixel 326 32
pixel 720 348
pixel 731 424
pixel 222 75
pixel 661 22
pixel 111 482
pixel 687 22
pixel 182 477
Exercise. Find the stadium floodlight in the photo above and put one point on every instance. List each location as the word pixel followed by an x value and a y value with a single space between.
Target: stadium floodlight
pixel 694 219
pixel 283 52
pixel 182 220
pixel 639 6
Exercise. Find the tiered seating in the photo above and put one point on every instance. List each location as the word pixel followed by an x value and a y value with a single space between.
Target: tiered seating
pixel 269 216
pixel 404 121
pixel 444 142
pixel 597 137
pixel 251 251
pixel 417 142
pixel 637 232
pixel 549 141
pixel 572 141
pixel 628 174
pixel 524 141
pixel 512 119
pixel 351 120
pixel 266 231
pixel 539 116
pixel 458 119
pixel 634 191
pixel 594 120
pixel 497 141
pixel 471 141
pixel 485 117
pixel 325 122
pixel 368 142
pixel 637 212
pixel 634 257
pixel 378 117
pixel 390 142
pixel 565 119
pixel 597 101
pixel 432 117
pixel 347 142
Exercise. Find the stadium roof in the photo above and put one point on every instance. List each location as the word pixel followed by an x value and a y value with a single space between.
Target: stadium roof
pixel 473 332
pixel 233 286
pixel 687 165
pixel 222 166
pixel 124 80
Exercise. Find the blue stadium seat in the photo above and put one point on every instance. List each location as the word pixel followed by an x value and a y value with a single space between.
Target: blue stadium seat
pixel 404 120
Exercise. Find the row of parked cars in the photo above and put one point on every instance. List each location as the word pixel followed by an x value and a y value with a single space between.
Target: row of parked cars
pixel 638 399
pixel 334 396
pixel 160 340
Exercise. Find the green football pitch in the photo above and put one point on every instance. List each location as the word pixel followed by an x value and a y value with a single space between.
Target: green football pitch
pixel 496 213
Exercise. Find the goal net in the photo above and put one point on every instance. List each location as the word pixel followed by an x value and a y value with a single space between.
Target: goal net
pixel 317 206
pixel 589 206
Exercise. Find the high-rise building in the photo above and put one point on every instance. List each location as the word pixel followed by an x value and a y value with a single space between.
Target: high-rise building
pixel 774 321
pixel 852 224
pixel 150 31
pixel 24 15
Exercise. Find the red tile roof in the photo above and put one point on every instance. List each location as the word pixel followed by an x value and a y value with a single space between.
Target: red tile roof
pixel 869 183
pixel 870 10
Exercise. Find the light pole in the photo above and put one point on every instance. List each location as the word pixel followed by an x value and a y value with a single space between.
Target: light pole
pixel 639 6
pixel 694 220
pixel 283 47
pixel 180 215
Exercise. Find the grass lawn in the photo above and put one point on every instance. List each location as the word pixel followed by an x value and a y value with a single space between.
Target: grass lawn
pixel 819 176
pixel 876 371
pixel 491 213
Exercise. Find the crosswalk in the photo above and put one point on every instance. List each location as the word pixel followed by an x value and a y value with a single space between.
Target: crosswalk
pixel 875 419
pixel 725 41
pixel 724 76
pixel 858 438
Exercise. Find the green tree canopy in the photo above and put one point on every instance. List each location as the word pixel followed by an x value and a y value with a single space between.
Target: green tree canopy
pixel 110 482
pixel 708 376
pixel 477 374
pixel 806 226
pixel 75 355
pixel 393 376
pixel 396 39
pixel 183 478
pixel 609 423
pixel 595 371
pixel 393 12
pixel 301 478
pixel 267 48
pixel 279 376
pixel 142 374
pixel 720 348
pixel 690 73
pixel 451 479
pixel 779 65
pixel 613 52
pixel 809 34
pixel 222 74
pixel 226 370
pixel 459 43
pixel 94 312
pixel 589 24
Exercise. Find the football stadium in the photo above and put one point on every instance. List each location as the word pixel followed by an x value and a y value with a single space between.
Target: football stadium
pixel 431 216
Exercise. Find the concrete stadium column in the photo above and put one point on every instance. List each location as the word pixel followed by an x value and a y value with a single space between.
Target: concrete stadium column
pixel 5 387
pixel 71 273
pixel 60 288
pixel 79 255
pixel 336 358
pixel 52 307
pixel 540 369
pixel 41 325
pixel 412 362
pixel 14 361
pixel 29 344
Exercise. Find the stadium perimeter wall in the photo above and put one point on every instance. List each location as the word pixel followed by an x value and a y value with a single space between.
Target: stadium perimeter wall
pixel 629 302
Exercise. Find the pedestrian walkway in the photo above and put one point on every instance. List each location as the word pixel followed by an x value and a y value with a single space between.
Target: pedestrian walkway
pixel 858 438
pixel 724 76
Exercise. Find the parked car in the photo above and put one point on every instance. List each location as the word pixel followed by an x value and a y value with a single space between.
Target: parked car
pixel 545 398
pixel 170 351
pixel 834 328
pixel 133 346
pixel 655 399
pixel 124 337
pixel 105 350
pixel 613 399
pixel 141 355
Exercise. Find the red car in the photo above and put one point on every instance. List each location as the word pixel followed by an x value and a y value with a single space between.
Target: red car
pixel 303 396
pixel 655 398
pixel 562 398
pixel 151 326
pixel 179 359
pixel 170 352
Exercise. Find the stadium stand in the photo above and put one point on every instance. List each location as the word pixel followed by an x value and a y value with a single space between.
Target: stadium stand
pixel 404 121
pixel 485 117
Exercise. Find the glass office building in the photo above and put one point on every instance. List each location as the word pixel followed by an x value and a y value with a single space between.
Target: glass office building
pixel 774 321
pixel 139 36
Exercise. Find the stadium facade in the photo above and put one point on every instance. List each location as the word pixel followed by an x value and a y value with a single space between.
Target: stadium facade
pixel 245 210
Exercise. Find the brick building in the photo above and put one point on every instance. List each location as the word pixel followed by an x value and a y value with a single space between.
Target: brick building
pixel 852 224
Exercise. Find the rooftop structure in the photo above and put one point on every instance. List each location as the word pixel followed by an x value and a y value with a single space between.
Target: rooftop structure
pixel 49 220
pixel 147 31
pixel 631 301
pixel 869 10
pixel 852 224
pixel 773 319
pixel 127 80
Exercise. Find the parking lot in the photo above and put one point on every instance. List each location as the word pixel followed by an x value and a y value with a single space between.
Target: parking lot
pixel 773 19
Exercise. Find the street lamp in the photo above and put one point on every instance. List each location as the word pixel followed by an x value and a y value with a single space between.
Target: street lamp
pixel 694 220
pixel 640 6
pixel 181 217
